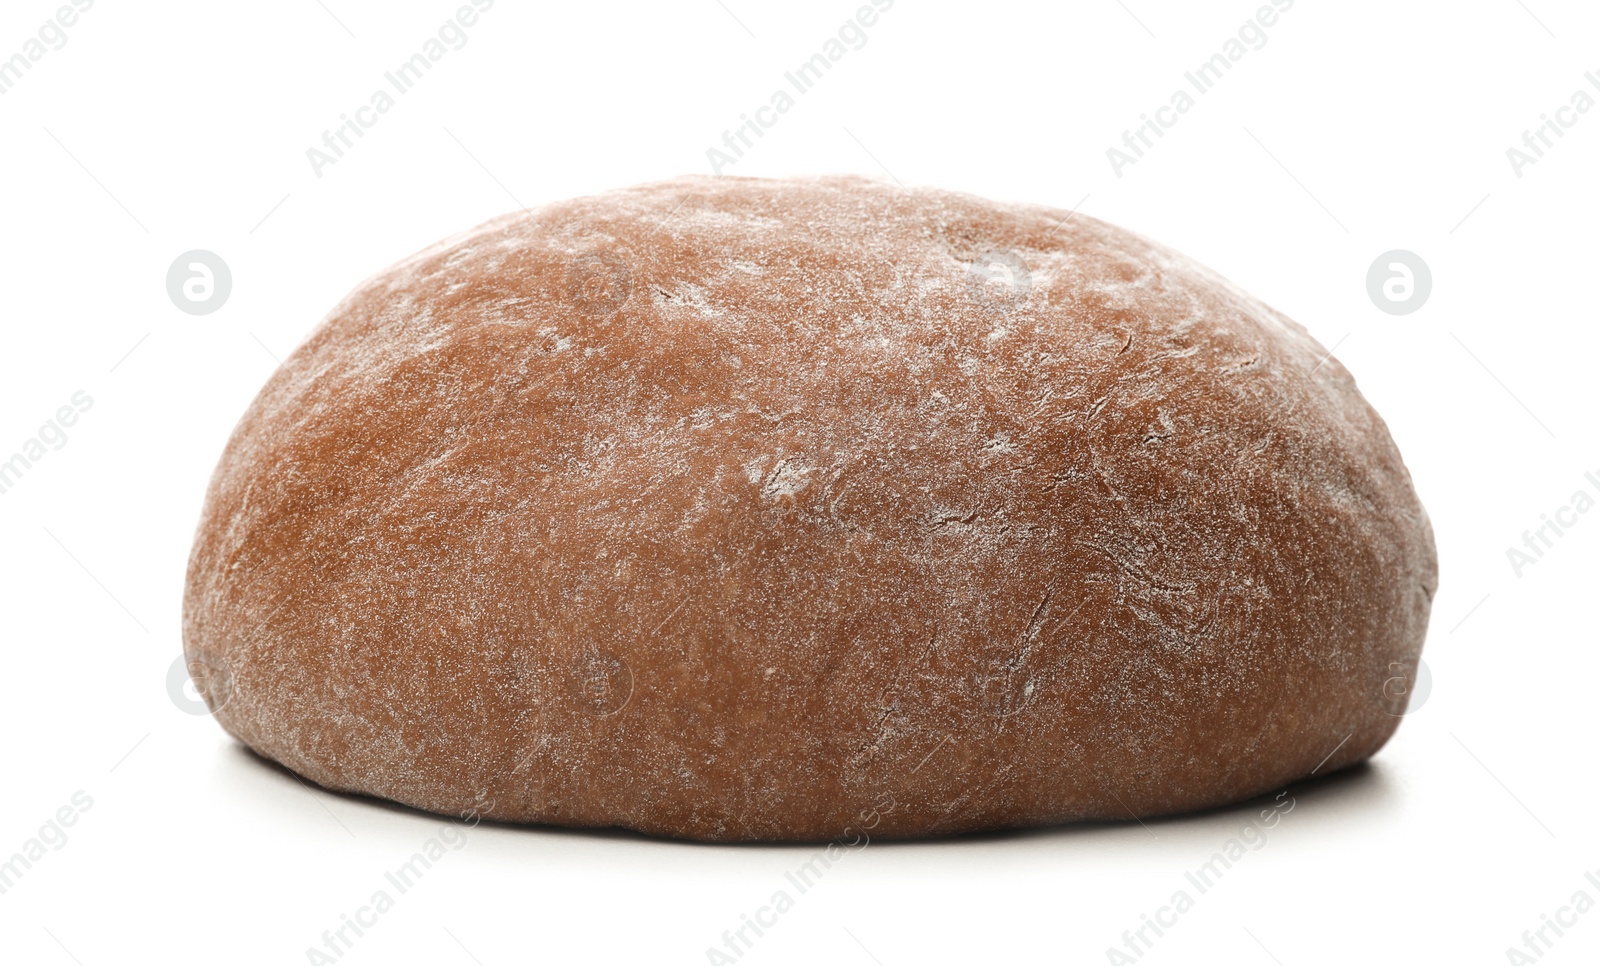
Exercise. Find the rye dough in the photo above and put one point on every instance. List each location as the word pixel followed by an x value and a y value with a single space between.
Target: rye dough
pixel 741 509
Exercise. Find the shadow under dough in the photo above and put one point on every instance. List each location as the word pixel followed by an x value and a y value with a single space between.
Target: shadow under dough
pixel 1364 789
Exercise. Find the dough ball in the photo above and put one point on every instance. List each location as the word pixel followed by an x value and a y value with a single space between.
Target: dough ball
pixel 741 509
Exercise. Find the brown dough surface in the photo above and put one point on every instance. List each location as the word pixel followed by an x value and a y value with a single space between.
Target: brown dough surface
pixel 735 508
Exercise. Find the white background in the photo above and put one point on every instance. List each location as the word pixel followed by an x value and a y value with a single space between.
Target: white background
pixel 1358 128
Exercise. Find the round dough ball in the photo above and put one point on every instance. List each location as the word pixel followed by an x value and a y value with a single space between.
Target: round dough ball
pixel 745 509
